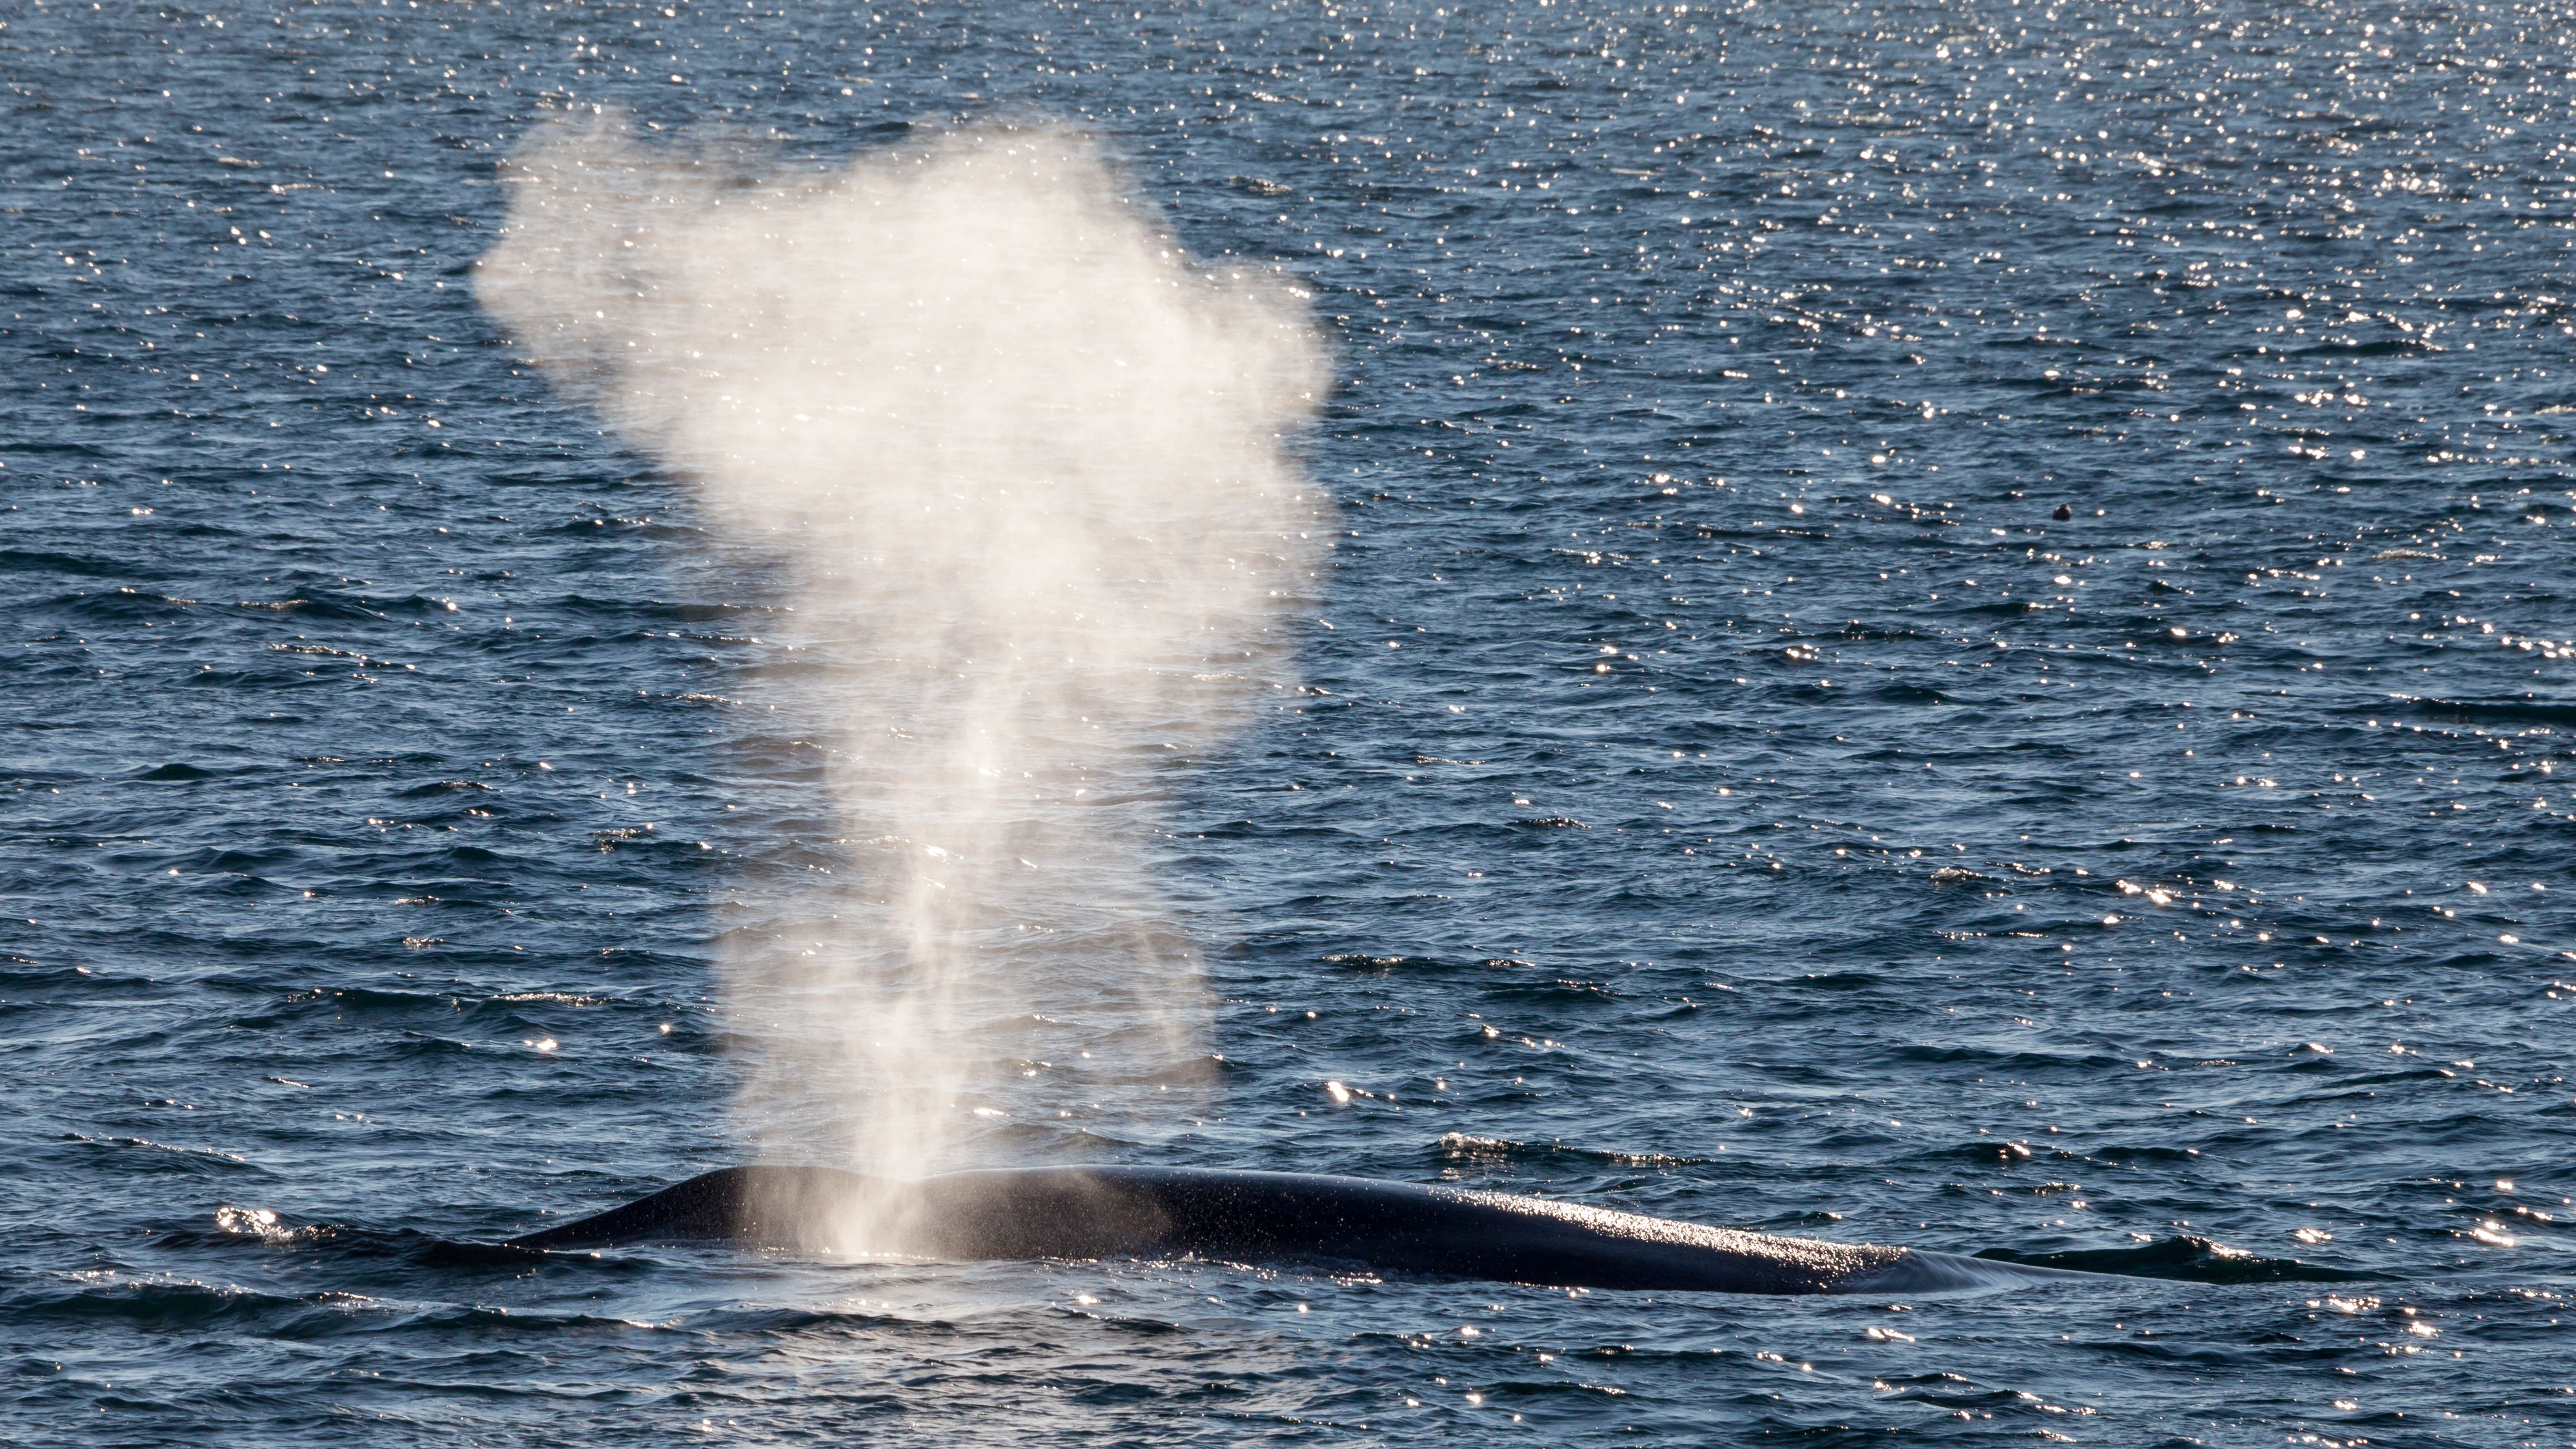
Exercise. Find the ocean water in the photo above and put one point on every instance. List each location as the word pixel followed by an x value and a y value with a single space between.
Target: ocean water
pixel 1710 779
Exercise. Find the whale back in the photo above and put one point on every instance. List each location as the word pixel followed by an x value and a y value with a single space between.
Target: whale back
pixel 1096 1212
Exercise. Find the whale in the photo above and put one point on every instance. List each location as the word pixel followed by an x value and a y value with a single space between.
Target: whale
pixel 1270 1218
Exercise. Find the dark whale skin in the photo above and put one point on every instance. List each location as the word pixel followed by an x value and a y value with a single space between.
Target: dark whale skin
pixel 1098 1212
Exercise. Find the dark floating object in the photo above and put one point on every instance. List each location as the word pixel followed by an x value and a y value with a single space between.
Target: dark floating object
pixel 2063 513
pixel 1151 1212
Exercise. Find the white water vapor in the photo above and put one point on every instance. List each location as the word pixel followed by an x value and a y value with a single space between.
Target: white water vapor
pixel 1031 466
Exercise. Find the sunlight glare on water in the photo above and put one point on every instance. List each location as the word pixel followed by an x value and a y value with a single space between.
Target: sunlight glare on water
pixel 1712 777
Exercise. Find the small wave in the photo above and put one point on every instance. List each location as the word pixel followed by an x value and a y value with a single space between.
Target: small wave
pixel 365 998
pixel 235 1228
pixel 487 1316
pixel 443 787
pixel 177 771
pixel 2528 707
pixel 263 1224
pixel 184 1159
pixel 254 861
pixel 121 604
pixel 1363 961
pixel 159 1303
pixel 18 560
pixel 318 606
pixel 1921 1271
pixel 2183 1258
pixel 681 613
pixel 1913 694
pixel 1461 1146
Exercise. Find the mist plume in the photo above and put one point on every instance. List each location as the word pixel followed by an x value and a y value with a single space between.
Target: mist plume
pixel 1030 466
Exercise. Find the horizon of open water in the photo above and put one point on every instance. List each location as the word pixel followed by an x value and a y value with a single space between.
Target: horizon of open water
pixel 1721 788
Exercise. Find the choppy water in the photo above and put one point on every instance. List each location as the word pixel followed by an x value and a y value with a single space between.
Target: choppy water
pixel 1721 788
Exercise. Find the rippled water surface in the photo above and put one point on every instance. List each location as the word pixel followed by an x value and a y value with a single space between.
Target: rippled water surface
pixel 1720 785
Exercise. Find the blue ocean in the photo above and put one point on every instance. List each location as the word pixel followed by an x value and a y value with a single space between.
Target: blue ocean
pixel 1946 626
